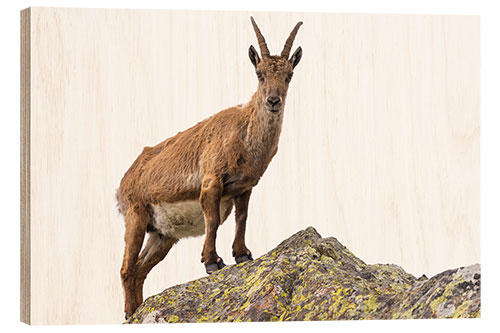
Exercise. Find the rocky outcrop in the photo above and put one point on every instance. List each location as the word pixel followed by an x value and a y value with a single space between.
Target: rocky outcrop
pixel 307 277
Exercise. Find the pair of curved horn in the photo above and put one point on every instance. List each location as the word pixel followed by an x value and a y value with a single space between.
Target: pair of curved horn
pixel 264 51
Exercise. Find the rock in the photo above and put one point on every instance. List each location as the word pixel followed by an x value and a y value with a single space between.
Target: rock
pixel 307 277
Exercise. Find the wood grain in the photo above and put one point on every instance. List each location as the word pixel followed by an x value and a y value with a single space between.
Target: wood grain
pixel 380 142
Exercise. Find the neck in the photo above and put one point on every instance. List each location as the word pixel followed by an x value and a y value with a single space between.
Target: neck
pixel 263 130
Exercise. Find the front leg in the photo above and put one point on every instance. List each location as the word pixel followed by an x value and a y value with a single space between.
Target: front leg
pixel 240 251
pixel 210 197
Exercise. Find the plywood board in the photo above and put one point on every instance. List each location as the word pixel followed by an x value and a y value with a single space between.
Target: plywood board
pixel 379 148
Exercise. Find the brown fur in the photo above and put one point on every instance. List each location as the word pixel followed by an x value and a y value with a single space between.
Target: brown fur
pixel 224 155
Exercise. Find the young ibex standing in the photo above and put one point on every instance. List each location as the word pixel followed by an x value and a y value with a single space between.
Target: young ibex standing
pixel 187 185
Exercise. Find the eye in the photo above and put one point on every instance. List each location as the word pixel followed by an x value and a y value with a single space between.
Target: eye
pixel 260 76
pixel 289 77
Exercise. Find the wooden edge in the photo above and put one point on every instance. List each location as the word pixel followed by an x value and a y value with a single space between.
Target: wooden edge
pixel 25 312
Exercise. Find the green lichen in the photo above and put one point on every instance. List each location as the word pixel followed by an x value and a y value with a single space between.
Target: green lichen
pixel 310 278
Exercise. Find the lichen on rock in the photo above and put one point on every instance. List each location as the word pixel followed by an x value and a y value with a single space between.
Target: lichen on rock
pixel 308 277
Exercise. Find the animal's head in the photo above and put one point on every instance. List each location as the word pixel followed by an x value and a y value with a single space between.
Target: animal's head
pixel 274 72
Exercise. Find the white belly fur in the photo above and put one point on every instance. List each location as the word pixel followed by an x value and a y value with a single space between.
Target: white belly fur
pixel 185 218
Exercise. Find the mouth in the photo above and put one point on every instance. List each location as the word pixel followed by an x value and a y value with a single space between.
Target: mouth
pixel 274 108
pixel 275 111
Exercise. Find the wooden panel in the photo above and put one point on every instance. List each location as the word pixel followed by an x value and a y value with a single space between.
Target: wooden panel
pixel 380 143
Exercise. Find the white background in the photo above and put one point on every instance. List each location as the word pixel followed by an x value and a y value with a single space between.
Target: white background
pixel 489 152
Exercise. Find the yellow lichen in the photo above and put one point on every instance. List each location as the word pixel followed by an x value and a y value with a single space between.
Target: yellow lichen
pixel 173 319
pixel 461 310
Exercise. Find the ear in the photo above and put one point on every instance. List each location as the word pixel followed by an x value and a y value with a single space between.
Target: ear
pixel 295 59
pixel 254 56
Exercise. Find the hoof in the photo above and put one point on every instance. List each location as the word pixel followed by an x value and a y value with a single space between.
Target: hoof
pixel 243 258
pixel 215 266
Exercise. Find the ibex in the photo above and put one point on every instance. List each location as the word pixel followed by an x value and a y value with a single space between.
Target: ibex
pixel 187 185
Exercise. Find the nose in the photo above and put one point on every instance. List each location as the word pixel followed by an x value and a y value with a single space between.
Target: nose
pixel 273 100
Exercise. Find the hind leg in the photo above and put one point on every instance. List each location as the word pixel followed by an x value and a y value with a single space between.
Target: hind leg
pixel 136 221
pixel 155 250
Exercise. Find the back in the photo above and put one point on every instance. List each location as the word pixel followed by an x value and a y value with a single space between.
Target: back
pixel 169 171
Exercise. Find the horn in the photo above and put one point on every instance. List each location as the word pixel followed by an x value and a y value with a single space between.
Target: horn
pixel 264 51
pixel 288 45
